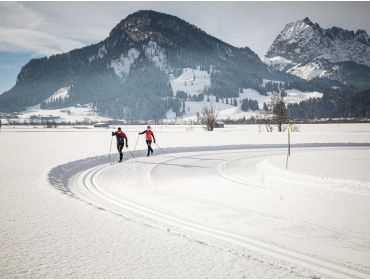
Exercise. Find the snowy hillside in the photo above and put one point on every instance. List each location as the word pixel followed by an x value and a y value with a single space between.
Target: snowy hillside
pixel 277 62
pixel 122 65
pixel 191 81
pixel 296 96
pixel 228 111
pixel 60 94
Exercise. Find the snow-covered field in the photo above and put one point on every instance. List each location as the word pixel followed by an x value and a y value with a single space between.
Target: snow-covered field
pixel 216 204
pixel 69 114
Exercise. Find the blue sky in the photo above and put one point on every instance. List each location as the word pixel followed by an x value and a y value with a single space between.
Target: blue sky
pixel 36 29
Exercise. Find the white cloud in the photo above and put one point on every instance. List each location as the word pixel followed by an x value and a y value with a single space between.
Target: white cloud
pixel 21 31
pixel 16 15
pixel 36 42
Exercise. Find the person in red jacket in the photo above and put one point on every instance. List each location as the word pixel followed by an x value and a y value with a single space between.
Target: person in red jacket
pixel 148 138
pixel 121 137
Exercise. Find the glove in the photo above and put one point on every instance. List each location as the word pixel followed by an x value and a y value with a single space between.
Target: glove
pixel 112 133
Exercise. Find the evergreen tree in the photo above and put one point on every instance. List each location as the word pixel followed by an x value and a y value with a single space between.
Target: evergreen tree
pixel 183 108
pixel 280 112
pixel 249 105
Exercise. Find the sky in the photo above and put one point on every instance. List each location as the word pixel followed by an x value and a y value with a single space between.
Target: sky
pixel 36 29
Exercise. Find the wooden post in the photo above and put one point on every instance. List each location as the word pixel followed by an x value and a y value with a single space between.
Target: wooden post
pixel 288 154
pixel 289 131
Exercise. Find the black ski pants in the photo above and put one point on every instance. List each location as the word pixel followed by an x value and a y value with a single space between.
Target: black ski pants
pixel 119 148
pixel 150 150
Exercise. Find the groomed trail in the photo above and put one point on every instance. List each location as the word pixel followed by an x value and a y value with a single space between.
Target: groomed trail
pixel 241 198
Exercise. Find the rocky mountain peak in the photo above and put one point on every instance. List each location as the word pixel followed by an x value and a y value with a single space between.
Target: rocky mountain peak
pixel 306 50
pixel 307 21
pixel 149 22
pixel 303 40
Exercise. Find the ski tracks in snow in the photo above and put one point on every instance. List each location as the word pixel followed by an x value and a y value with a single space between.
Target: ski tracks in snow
pixel 159 190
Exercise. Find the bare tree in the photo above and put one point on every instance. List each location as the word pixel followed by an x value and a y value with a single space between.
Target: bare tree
pixel 209 116
pixel 198 118
pixel 275 111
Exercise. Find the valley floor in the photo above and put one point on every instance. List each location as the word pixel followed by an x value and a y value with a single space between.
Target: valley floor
pixel 223 205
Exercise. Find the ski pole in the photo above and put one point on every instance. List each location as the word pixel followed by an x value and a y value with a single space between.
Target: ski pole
pixel 130 152
pixel 110 149
pixel 137 139
pixel 159 148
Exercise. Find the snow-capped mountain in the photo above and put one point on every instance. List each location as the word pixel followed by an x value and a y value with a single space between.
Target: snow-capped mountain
pixel 138 69
pixel 308 51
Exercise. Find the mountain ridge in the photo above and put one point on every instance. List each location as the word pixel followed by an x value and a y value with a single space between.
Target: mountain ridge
pixel 135 72
pixel 130 71
pixel 306 50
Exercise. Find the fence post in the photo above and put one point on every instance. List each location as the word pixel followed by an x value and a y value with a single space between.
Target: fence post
pixel 289 131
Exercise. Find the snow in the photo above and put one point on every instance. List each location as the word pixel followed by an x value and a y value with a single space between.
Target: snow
pixel 102 51
pixel 156 54
pixel 293 96
pixel 296 30
pixel 227 111
pixel 230 112
pixel 122 65
pixel 307 48
pixel 195 106
pixel 277 61
pixel 212 209
pixel 305 71
pixel 60 94
pixel 297 96
pixel 91 58
pixel 255 95
pixel 235 113
pixel 308 71
pixel 170 114
pixel 192 81
pixel 265 81
pixel 69 114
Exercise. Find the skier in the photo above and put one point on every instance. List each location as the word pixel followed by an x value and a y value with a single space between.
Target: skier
pixel 148 138
pixel 120 136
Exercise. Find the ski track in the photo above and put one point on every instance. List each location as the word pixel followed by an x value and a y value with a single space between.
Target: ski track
pixel 82 179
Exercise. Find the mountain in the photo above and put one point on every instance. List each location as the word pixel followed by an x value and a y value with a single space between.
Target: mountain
pixel 308 51
pixel 138 70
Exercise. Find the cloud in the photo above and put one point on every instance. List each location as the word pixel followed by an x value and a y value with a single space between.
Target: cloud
pixel 36 42
pixel 20 32
pixel 253 24
pixel 16 15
